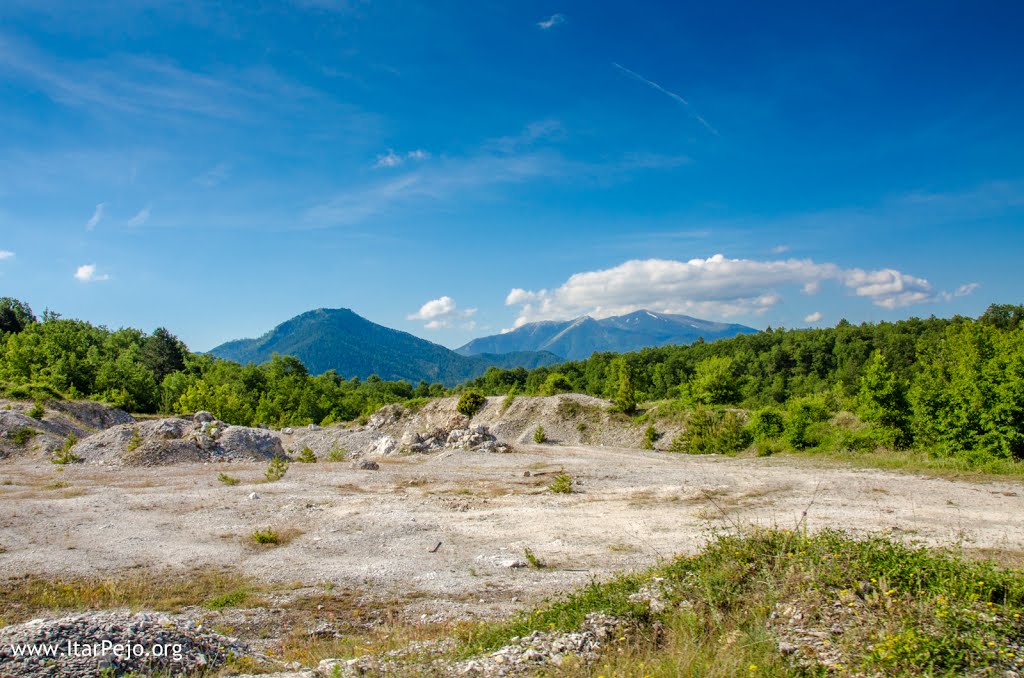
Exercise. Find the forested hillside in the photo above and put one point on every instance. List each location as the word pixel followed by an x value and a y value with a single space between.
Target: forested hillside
pixel 955 386
pixel 951 386
pixel 55 357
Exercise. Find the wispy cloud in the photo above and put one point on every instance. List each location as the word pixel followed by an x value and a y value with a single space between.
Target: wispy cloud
pixel 141 217
pixel 670 94
pixel 97 216
pixel 214 176
pixel 813 317
pixel 443 312
pixel 87 273
pixel 715 287
pixel 148 88
pixel 780 249
pixel 551 22
pixel 6 254
pixel 392 159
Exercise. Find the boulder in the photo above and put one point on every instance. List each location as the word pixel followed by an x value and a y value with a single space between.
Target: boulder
pixel 242 442
pixel 386 446
pixel 202 417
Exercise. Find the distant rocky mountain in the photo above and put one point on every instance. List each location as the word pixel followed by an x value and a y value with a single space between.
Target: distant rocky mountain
pixel 578 339
pixel 340 340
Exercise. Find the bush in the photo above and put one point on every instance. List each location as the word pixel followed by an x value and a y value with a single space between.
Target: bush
pixel 37 411
pixel 23 435
pixel 539 436
pixel 561 484
pixel 227 480
pixel 766 424
pixel 470 403
pixel 276 469
pixel 337 453
pixel 64 455
pixel 306 456
pixel 708 432
pixel 802 414
pixel 650 435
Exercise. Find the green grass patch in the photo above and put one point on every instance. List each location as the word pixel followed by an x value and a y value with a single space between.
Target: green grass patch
pixel 843 604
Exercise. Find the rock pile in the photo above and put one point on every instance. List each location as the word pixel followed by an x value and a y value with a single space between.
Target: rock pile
pixel 475 437
pixel 116 642
pixel 523 656
pixel 177 440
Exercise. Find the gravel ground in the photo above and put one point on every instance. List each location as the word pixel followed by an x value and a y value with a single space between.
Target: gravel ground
pixel 378 531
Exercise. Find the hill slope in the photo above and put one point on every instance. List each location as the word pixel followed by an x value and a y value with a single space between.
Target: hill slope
pixel 578 339
pixel 340 340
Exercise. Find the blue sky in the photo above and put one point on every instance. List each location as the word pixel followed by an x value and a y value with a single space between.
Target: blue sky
pixel 456 168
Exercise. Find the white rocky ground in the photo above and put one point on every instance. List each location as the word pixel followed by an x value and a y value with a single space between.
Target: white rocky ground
pixel 444 532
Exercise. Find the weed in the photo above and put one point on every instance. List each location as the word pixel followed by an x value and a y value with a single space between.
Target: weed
pixel 227 480
pixel 532 560
pixel 266 537
pixel 276 469
pixel 539 436
pixel 306 456
pixel 135 441
pixel 64 455
pixel 234 598
pixel 561 484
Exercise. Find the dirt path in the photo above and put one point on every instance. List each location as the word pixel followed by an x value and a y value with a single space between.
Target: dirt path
pixel 375 530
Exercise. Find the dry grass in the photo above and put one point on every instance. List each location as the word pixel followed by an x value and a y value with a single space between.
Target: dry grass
pixel 29 597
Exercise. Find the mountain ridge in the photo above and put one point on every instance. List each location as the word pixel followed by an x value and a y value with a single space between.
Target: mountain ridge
pixel 580 337
pixel 342 340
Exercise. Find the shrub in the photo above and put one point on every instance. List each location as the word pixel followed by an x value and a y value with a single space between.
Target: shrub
pixel 337 453
pixel 766 424
pixel 276 469
pixel 306 456
pixel 470 403
pixel 37 411
pixel 707 432
pixel 561 484
pixel 266 537
pixel 801 415
pixel 539 436
pixel 64 455
pixel 650 435
pixel 23 435
pixel 227 480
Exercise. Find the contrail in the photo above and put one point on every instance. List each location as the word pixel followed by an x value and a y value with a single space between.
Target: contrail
pixel 673 95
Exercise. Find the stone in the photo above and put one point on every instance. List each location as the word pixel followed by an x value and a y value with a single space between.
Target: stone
pixel 367 465
pixel 385 446
pixel 242 442
pixel 202 417
pixel 287 430
pixel 253 495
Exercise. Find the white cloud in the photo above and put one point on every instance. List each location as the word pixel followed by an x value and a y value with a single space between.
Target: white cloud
pixel 97 216
pixel 712 287
pixel 392 159
pixel 141 217
pixel 87 274
pixel 780 249
pixel 214 176
pixel 813 317
pixel 6 254
pixel 443 312
pixel 551 21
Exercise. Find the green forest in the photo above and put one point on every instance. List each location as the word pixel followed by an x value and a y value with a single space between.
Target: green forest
pixel 952 387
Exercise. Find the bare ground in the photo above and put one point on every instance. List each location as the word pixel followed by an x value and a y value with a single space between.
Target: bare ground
pixel 376 531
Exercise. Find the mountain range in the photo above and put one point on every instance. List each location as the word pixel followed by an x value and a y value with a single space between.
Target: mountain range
pixel 578 339
pixel 339 339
